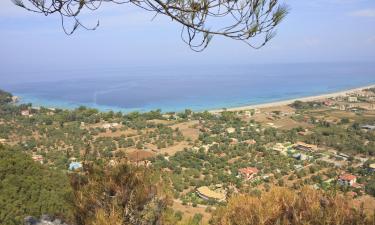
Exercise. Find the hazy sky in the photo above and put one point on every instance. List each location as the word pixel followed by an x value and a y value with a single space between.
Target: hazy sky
pixel 314 31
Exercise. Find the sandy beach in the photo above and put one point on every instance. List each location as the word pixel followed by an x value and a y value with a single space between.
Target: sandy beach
pixel 287 102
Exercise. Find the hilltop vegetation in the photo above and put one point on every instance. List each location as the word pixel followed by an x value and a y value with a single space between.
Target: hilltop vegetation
pixel 5 97
pixel 135 195
pixel 28 188
pixel 283 206
pixel 148 168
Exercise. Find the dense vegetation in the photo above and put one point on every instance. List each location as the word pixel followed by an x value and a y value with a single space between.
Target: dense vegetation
pixel 126 194
pixel 117 188
pixel 305 105
pixel 27 188
pixel 120 195
pixel 5 97
pixel 347 139
pixel 283 206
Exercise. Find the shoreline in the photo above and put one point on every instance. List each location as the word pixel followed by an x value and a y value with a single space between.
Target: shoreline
pixel 272 104
pixel 290 101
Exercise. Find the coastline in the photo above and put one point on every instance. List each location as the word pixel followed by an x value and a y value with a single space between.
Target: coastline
pixel 104 108
pixel 290 101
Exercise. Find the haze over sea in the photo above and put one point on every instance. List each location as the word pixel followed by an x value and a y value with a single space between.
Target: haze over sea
pixel 175 88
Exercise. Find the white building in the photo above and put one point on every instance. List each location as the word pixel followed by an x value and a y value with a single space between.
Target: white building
pixel 347 179
pixel 352 99
pixel 231 130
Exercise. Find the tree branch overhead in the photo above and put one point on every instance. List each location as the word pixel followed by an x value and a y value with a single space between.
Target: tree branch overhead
pixel 251 21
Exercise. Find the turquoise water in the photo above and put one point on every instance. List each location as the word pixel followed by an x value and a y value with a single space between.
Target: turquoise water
pixel 178 88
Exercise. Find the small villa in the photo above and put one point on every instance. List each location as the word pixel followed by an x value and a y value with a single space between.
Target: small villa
pixel 38 158
pixel 248 173
pixel 278 147
pixel 75 166
pixel 15 99
pixel 347 179
pixel 110 125
pixel 328 103
pixel 233 141
pixel 207 194
pixel 372 167
pixel 250 142
pixel 352 99
pixel 368 127
pixel 230 130
pixel 301 157
pixel 305 147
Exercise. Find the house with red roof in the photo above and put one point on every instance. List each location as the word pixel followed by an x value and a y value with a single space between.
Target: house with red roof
pixel 250 142
pixel 328 103
pixel 38 158
pixel 248 173
pixel 347 179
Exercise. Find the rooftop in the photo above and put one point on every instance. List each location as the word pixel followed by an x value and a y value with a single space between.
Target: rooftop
pixel 204 190
pixel 251 142
pixel 75 165
pixel 347 177
pixel 303 144
pixel 368 127
pixel 231 130
pixel 248 170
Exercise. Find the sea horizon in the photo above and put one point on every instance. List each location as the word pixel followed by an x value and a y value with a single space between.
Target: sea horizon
pixel 200 89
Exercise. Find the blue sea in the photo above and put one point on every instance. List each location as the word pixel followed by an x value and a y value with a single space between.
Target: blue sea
pixel 175 88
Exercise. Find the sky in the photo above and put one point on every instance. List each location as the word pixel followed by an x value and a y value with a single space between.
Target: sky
pixel 314 31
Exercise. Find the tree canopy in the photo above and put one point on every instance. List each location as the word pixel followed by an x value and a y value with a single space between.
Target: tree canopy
pixel 250 21
pixel 27 188
pixel 5 97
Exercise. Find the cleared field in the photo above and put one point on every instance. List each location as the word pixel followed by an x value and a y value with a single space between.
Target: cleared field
pixel 135 155
pixel 118 133
pixel 171 150
pixel 188 130
pixel 190 211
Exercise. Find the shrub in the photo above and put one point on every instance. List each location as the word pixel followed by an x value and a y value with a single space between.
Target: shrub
pixel 284 206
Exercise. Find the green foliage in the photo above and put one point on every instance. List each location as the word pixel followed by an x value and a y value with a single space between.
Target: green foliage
pixel 305 105
pixel 345 120
pixel 197 219
pixel 27 188
pixel 5 97
pixel 127 195
pixel 370 187
pixel 345 139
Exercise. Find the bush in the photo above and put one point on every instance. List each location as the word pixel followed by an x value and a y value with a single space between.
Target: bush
pixel 284 206
pixel 121 195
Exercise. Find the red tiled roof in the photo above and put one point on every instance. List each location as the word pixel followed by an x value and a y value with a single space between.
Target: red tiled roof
pixel 248 170
pixel 347 177
pixel 250 142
